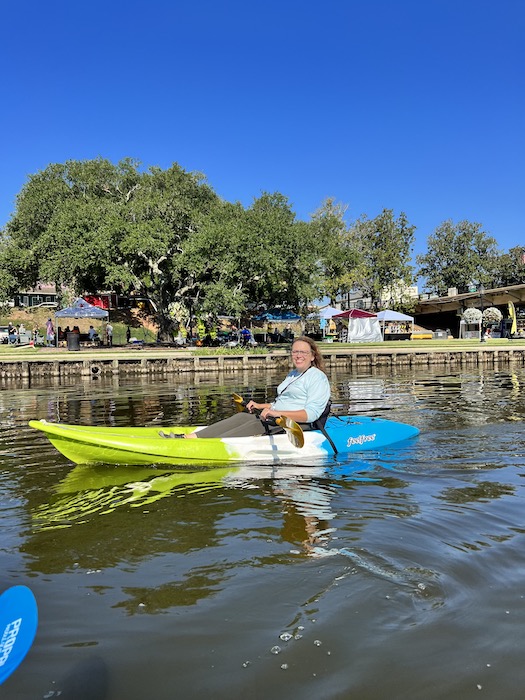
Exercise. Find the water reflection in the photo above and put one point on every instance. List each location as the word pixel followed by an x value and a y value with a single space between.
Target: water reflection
pixel 389 560
pixel 92 490
pixel 180 400
pixel 483 492
pixel 98 490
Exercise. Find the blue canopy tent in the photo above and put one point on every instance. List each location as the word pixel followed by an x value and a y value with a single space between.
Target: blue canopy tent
pixel 277 315
pixel 81 309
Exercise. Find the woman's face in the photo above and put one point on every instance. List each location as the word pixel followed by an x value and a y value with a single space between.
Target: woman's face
pixel 302 355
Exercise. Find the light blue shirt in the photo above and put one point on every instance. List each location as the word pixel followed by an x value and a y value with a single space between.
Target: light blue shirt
pixel 309 390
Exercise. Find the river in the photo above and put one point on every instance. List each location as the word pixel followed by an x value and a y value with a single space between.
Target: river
pixel 397 575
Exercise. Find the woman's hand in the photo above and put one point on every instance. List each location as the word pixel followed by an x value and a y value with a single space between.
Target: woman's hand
pixel 251 405
pixel 268 413
pixel 300 416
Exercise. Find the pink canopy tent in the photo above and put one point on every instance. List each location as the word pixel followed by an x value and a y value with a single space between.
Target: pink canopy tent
pixel 355 313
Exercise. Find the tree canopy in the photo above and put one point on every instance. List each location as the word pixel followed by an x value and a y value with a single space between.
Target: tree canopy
pixel 509 268
pixel 458 255
pixel 338 249
pixel 92 225
pixel 386 246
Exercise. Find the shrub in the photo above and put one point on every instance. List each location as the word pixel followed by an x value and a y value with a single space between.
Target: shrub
pixel 472 315
pixel 492 315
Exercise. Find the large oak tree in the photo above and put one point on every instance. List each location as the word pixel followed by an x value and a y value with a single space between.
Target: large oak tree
pixel 165 234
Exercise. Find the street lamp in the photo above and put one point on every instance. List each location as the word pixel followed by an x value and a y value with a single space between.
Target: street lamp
pixel 482 335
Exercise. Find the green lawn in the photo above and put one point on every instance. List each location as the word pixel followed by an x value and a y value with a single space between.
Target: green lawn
pixel 392 346
pixel 434 344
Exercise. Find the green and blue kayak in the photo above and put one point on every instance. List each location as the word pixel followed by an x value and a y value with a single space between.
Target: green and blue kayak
pixel 140 446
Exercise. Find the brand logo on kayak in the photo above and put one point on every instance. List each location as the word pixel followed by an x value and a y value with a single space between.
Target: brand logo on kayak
pixel 9 639
pixel 360 440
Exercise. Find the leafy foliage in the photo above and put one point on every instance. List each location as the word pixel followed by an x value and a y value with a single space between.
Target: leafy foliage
pixel 92 225
pixel 386 248
pixel 457 255
pixel 339 250
pixel 165 234
pixel 372 255
pixel 509 268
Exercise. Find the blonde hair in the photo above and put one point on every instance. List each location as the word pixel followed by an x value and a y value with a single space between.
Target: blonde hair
pixel 318 358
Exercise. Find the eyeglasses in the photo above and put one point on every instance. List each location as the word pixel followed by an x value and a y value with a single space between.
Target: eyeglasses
pixel 301 353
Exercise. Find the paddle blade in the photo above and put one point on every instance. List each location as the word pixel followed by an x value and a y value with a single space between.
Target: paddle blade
pixel 293 430
pixel 18 623
pixel 239 403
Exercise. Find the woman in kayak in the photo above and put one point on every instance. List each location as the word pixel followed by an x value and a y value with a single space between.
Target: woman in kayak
pixel 303 396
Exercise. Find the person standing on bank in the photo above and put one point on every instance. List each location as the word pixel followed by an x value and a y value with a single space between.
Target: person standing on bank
pixel 303 396
pixel 109 335
pixel 50 332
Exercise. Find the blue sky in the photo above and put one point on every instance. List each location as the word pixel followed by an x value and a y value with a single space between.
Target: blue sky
pixel 413 105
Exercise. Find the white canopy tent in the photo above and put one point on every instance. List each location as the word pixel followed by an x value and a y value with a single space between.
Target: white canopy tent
pixel 324 315
pixel 327 312
pixel 389 316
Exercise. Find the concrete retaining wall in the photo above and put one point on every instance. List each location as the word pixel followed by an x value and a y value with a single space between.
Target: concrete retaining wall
pixel 40 367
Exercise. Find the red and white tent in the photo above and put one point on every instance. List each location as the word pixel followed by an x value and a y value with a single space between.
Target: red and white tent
pixel 363 326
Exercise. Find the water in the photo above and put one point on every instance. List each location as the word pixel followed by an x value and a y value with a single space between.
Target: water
pixel 395 575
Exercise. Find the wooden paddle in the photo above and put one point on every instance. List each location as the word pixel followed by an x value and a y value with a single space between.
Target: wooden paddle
pixel 293 430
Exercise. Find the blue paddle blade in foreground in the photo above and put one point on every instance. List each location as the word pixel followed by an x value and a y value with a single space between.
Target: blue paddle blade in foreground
pixel 18 623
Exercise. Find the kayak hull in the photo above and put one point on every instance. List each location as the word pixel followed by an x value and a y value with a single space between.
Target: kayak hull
pixel 144 446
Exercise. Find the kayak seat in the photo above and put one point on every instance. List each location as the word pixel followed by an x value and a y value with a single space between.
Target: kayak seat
pixel 320 422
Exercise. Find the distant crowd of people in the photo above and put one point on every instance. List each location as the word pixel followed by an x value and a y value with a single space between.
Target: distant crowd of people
pixel 62 334
pixel 198 334
pixel 16 334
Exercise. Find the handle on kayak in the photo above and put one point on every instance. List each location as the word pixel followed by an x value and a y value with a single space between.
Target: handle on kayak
pixel 293 430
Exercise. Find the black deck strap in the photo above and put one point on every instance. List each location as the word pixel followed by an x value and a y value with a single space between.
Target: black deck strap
pixel 266 426
pixel 319 424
